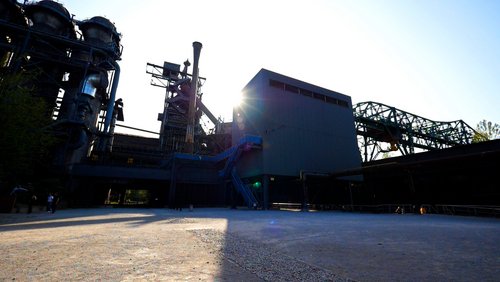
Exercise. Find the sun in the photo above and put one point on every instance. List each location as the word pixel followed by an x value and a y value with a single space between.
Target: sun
pixel 236 99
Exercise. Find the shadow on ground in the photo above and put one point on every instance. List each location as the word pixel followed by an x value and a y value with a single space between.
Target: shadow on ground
pixel 279 245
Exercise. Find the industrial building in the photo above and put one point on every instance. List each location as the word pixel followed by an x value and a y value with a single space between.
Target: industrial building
pixel 302 127
pixel 295 120
pixel 290 142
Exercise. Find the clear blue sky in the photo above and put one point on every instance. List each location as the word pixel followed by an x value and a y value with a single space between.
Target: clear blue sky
pixel 438 59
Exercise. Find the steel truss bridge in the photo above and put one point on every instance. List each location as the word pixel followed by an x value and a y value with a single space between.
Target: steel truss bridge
pixel 380 125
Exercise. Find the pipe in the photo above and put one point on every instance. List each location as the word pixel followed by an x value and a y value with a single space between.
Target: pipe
pixel 82 140
pixel 138 129
pixel 192 100
pixel 91 83
pixel 112 95
pixel 207 112
pixel 111 138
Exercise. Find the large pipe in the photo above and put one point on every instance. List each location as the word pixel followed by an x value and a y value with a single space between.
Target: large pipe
pixel 116 112
pixel 207 112
pixel 192 100
pixel 91 83
pixel 112 95
pixel 73 98
pixel 82 140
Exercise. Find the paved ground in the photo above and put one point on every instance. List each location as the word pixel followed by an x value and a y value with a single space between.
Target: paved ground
pixel 244 245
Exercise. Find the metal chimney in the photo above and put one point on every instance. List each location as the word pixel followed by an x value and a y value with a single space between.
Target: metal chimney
pixel 192 100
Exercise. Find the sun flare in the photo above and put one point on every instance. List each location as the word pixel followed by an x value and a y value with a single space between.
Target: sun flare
pixel 236 99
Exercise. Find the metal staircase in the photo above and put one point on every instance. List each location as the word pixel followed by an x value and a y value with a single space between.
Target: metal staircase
pixel 244 190
pixel 231 156
pixel 246 143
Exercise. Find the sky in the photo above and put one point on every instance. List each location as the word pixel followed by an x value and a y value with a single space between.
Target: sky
pixel 438 59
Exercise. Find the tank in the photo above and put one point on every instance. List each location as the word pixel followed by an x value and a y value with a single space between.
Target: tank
pixel 10 12
pixel 52 17
pixel 101 32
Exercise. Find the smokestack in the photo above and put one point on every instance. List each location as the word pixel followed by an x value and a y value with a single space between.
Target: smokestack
pixel 192 100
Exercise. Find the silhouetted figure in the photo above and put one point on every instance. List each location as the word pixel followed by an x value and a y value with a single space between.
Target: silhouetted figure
pixel 55 201
pixel 178 206
pixel 50 200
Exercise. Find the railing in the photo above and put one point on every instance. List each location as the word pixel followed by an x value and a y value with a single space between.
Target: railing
pixel 244 190
pixel 468 210
pixel 465 210
pixel 475 210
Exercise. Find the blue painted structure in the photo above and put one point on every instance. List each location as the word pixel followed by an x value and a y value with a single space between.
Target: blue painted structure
pixel 231 157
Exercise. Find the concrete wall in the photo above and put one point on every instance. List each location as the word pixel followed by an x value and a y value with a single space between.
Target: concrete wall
pixel 304 127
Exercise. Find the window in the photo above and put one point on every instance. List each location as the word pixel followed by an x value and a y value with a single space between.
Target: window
pixel 276 84
pixel 319 96
pixel 291 88
pixel 308 93
pixel 343 103
pixel 332 100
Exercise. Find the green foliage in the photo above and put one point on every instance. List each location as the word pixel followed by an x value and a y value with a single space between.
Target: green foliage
pixel 486 130
pixel 23 144
pixel 136 196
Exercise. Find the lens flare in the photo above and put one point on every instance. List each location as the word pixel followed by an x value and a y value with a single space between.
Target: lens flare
pixel 237 99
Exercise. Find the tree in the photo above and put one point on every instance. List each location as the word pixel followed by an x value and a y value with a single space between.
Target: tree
pixel 24 146
pixel 137 196
pixel 486 130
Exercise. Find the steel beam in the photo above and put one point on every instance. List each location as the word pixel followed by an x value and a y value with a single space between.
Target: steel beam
pixel 377 123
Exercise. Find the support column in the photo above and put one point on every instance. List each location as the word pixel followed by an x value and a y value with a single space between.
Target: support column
pixel 72 186
pixel 350 195
pixel 305 198
pixel 265 191
pixel 121 198
pixel 232 194
pixel 173 182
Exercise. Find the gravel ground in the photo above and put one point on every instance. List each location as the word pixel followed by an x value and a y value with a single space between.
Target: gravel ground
pixel 244 245
pixel 263 260
pixel 136 245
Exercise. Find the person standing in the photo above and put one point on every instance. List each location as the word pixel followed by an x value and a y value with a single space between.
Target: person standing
pixel 50 200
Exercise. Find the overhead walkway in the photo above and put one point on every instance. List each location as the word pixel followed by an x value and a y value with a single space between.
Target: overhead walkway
pixel 377 123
